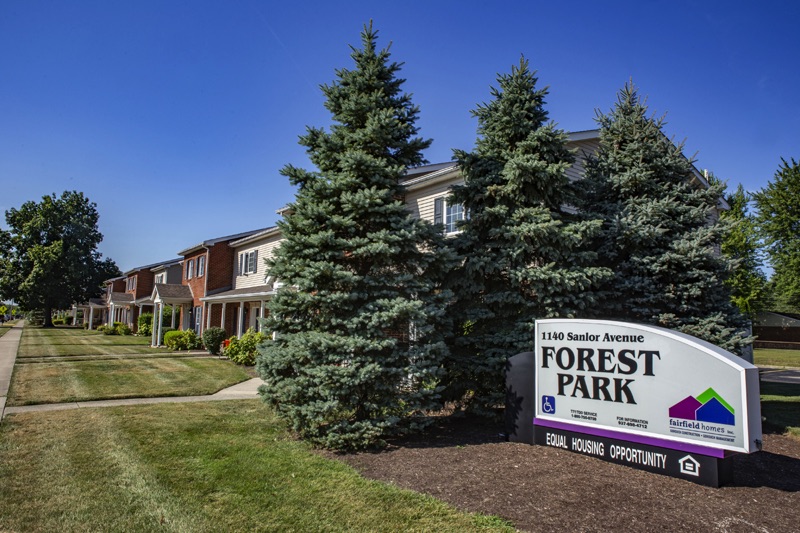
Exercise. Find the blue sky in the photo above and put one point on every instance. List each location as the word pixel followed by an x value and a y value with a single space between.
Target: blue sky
pixel 175 117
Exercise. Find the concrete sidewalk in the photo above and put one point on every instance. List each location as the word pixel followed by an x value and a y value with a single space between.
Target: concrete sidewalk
pixel 246 389
pixel 9 343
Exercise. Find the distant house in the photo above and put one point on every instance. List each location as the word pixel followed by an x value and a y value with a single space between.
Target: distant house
pixel 129 296
pixel 773 329
pixel 224 281
pixel 241 306
pixel 208 269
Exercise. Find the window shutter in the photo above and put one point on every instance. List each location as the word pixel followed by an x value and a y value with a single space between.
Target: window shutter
pixel 255 260
pixel 241 269
pixel 438 208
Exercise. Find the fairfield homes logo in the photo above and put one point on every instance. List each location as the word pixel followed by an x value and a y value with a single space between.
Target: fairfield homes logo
pixel 703 416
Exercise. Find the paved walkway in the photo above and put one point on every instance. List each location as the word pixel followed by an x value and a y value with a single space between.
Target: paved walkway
pixel 9 343
pixel 780 375
pixel 8 354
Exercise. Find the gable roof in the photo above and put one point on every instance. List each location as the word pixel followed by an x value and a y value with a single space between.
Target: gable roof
pixel 152 266
pixel 120 298
pixel 172 293
pixel 212 242
pixel 274 230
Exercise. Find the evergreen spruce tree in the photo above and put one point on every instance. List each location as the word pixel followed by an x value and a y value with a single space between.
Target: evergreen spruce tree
pixel 660 235
pixel 521 248
pixel 358 348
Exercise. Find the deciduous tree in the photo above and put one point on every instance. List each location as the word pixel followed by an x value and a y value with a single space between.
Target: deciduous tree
pixel 748 283
pixel 48 255
pixel 778 219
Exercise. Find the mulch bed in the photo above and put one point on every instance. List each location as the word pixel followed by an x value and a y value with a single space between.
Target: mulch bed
pixel 464 461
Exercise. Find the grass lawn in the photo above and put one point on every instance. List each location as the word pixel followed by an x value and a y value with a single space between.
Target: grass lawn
pixel 780 405
pixel 69 381
pixel 39 342
pixel 215 466
pixel 3 330
pixel 771 357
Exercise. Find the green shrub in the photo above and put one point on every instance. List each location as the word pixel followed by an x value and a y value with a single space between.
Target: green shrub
pixel 212 339
pixel 243 351
pixel 58 322
pixel 144 324
pixel 181 340
pixel 123 329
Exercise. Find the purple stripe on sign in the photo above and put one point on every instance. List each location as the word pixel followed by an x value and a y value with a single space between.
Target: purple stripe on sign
pixel 650 441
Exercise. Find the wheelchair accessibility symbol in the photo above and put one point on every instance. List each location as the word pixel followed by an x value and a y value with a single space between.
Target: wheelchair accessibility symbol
pixel 548 405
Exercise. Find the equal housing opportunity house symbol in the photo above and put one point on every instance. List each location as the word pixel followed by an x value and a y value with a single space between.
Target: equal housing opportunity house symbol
pixel 707 407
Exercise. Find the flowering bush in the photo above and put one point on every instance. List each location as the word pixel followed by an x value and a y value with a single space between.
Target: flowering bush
pixel 243 351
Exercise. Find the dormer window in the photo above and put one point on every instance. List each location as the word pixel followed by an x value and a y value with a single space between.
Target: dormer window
pixel 190 269
pixel 201 266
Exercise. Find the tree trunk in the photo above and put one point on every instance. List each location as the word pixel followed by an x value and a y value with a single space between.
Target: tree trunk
pixel 48 318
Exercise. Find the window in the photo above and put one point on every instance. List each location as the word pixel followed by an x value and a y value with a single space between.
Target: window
pixel 248 262
pixel 201 266
pixel 447 214
pixel 160 277
pixel 190 269
pixel 131 284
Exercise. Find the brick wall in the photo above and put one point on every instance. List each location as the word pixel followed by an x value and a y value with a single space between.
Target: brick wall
pixel 220 267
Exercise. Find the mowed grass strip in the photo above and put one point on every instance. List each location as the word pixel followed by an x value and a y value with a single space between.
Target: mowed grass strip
pixel 40 342
pixel 780 406
pixel 69 381
pixel 772 357
pixel 211 466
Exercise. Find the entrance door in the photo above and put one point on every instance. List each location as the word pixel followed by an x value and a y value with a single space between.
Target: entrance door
pixel 197 319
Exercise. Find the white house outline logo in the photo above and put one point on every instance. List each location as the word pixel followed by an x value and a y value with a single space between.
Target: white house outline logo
pixel 689 465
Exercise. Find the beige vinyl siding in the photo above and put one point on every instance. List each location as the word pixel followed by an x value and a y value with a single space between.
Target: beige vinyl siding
pixel 583 148
pixel 420 201
pixel 265 247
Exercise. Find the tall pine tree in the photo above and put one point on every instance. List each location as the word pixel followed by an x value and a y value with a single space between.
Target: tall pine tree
pixel 521 248
pixel 358 350
pixel 660 234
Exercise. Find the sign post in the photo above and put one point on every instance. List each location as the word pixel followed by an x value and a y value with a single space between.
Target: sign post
pixel 644 396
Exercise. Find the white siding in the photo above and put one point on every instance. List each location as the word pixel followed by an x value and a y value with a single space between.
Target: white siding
pixel 266 247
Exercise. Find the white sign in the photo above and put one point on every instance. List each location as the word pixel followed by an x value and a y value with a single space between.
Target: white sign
pixel 647 382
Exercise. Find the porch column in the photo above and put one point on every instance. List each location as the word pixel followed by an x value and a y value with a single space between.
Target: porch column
pixel 160 320
pixel 111 315
pixel 208 314
pixel 173 317
pixel 75 316
pixel 222 324
pixel 239 323
pixel 91 316
pixel 154 327
pixel 260 316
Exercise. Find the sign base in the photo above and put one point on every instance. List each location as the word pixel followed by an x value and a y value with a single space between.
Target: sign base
pixel 694 467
